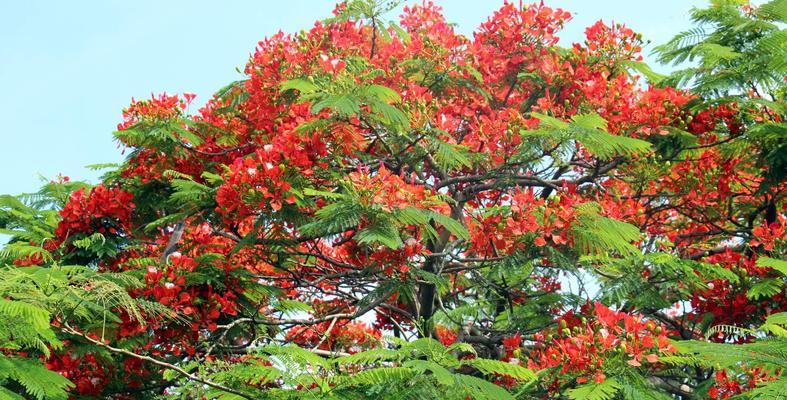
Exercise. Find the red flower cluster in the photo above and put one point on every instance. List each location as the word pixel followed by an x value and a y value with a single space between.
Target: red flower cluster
pixel 201 303
pixel 391 192
pixel 102 209
pixel 613 42
pixel 706 120
pixel 88 374
pixel 515 38
pixel 397 261
pixel 726 387
pixel 158 108
pixel 581 348
pixel 255 183
pixel 770 235
pixel 445 335
pixel 350 337
pixel 503 233
pixel 729 302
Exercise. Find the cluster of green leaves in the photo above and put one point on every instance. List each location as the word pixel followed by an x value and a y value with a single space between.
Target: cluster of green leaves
pixel 731 50
pixel 629 282
pixel 590 130
pixel 597 234
pixel 383 226
pixel 344 97
pixel 420 369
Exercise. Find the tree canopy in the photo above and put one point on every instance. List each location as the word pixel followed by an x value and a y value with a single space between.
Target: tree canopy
pixel 390 209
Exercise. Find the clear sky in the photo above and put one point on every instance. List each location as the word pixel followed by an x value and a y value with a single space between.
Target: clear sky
pixel 67 68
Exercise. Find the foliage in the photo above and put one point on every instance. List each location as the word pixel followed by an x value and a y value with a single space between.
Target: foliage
pixel 393 210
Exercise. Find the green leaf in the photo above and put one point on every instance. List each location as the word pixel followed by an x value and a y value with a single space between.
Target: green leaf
pixel 591 131
pixel 289 307
pixel 550 121
pixel 491 367
pixel 322 193
pixel 403 34
pixel 382 233
pixel 634 386
pixel 590 121
pixel 769 390
pixel 35 316
pixel 776 324
pixel 88 241
pixel 713 52
pixel 369 357
pixel 378 376
pixel 595 391
pixel 455 227
pixel 38 381
pixel 450 156
pixel 344 104
pixel 482 389
pixel 474 73
pixel 6 394
pixel 595 234
pixel 390 115
pixel 775 10
pixel 778 265
pixel 295 355
pixel 382 93
pixel 438 372
pixel 334 218
pixel 301 85
pixel 644 69
pixel 764 288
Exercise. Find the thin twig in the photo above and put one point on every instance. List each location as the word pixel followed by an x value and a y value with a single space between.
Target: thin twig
pixel 325 334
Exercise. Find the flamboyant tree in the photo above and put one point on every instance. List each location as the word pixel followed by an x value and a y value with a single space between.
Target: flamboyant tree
pixel 395 210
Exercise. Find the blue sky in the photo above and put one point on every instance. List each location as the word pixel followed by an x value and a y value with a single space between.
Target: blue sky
pixel 68 68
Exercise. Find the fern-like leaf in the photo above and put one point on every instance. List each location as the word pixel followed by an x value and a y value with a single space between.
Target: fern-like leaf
pixel 595 391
